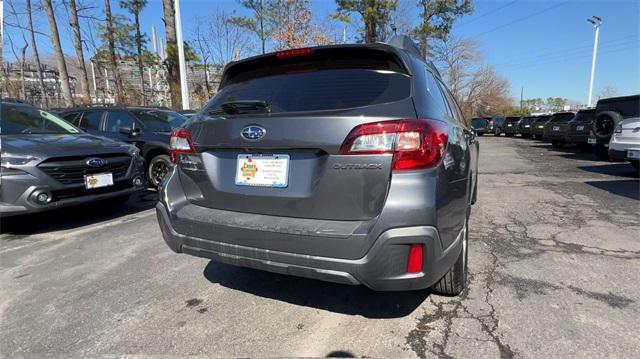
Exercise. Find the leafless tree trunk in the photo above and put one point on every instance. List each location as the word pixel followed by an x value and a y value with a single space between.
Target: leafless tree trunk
pixel 173 70
pixel 57 50
pixel 202 47
pixel 36 54
pixel 139 48
pixel 22 61
pixel 77 42
pixel 113 59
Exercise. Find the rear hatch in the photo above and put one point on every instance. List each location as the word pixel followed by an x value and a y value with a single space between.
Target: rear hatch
pixel 581 123
pixel 559 122
pixel 285 116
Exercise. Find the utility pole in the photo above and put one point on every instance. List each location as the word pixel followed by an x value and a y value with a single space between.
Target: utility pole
pixel 595 21
pixel 183 66
pixel 521 98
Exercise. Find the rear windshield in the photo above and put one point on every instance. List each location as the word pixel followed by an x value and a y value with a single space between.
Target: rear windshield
pixel 318 90
pixel 562 117
pixel 479 122
pixel 627 107
pixel 512 119
pixel 27 120
pixel 585 115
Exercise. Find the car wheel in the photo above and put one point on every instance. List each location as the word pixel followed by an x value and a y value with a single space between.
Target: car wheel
pixel 582 146
pixel 602 152
pixel 454 282
pixel 480 134
pixel 158 167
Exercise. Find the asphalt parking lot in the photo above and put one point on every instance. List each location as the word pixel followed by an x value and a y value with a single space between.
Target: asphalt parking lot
pixel 554 258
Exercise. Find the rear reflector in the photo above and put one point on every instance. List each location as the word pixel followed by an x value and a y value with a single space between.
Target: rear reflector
pixel 414 261
pixel 180 143
pixel 414 144
pixel 294 53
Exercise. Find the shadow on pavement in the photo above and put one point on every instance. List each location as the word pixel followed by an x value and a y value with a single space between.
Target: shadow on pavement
pixel 619 169
pixel 338 298
pixel 628 188
pixel 74 216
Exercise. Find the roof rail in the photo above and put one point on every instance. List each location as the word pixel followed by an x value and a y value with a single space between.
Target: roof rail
pixel 406 43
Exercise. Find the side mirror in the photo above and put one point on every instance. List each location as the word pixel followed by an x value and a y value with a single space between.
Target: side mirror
pixel 130 131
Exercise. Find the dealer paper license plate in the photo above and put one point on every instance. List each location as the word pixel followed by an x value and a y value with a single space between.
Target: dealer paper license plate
pixel 591 140
pixel 556 128
pixel 98 180
pixel 262 170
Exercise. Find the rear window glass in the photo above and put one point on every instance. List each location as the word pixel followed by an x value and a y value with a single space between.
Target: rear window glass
pixel 478 122
pixel 626 107
pixel 585 116
pixel 563 117
pixel 318 90
pixel 159 121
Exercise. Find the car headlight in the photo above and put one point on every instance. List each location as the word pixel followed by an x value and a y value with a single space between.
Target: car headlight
pixel 8 160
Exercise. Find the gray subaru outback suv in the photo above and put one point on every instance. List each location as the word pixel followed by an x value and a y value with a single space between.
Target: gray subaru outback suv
pixel 348 163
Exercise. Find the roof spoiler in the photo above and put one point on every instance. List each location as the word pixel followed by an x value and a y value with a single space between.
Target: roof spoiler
pixel 405 43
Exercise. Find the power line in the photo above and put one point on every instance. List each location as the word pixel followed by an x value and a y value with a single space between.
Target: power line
pixel 522 18
pixel 579 57
pixel 487 13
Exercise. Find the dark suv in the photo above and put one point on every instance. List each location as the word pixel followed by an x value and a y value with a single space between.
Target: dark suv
pixel 480 125
pixel 510 126
pixel 524 126
pixel 579 129
pixel 346 163
pixel 497 123
pixel 47 163
pixel 609 113
pixel 555 130
pixel 148 128
pixel 537 126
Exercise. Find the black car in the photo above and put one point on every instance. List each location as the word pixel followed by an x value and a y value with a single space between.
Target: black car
pixel 346 163
pixel 510 126
pixel 579 129
pixel 497 124
pixel 148 128
pixel 555 130
pixel 609 113
pixel 524 126
pixel 480 125
pixel 537 126
pixel 48 163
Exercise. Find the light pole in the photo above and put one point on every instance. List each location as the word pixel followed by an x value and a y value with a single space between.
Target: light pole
pixel 183 66
pixel 595 21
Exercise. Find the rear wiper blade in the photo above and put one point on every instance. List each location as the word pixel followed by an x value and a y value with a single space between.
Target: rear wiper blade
pixel 245 106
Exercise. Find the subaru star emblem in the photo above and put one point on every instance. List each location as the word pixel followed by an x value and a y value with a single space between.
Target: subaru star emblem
pixel 96 162
pixel 253 132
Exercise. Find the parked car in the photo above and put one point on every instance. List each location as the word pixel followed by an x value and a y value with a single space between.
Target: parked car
pixel 555 130
pixel 538 126
pixel 497 124
pixel 47 163
pixel 510 125
pixel 609 113
pixel 524 126
pixel 370 182
pixel 579 129
pixel 148 128
pixel 480 125
pixel 625 142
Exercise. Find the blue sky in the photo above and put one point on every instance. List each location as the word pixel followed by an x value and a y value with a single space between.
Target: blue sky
pixel 544 46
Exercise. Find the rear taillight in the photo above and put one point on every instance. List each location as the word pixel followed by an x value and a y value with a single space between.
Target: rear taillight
pixel 618 129
pixel 414 144
pixel 415 259
pixel 590 126
pixel 294 53
pixel 180 143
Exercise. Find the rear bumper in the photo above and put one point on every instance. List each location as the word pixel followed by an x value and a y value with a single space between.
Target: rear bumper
pixel 577 138
pixel 554 136
pixel 382 268
pixel 510 130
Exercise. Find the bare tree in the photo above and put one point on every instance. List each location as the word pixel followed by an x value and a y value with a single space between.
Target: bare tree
pixel 21 58
pixel 293 26
pixel 477 88
pixel 36 54
pixel 77 42
pixel 171 63
pixel 607 91
pixel 201 45
pixel 135 7
pixel 57 50
pixel 110 36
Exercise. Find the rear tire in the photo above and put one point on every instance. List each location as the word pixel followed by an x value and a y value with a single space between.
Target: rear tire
pixel 157 169
pixel 454 282
pixel 602 152
pixel 480 134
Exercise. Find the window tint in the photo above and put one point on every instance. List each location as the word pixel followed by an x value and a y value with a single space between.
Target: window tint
pixel 626 108
pixel 562 117
pixel 72 117
pixel 159 121
pixel 318 90
pixel 91 120
pixel 453 105
pixel 27 120
pixel 433 90
pixel 118 119
pixel 585 115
